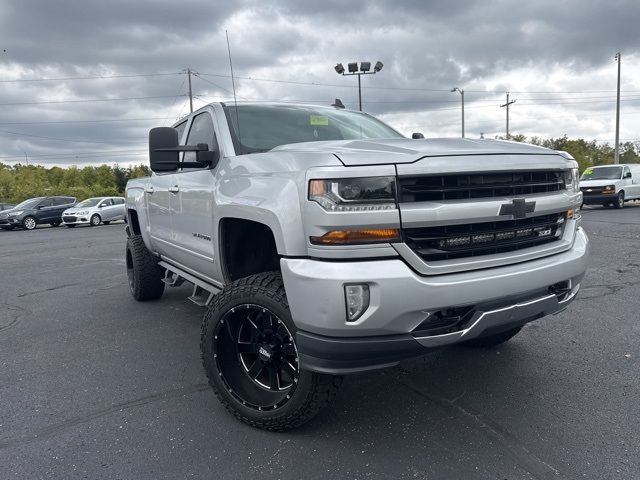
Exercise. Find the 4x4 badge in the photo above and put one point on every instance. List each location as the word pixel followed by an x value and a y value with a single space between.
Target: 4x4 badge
pixel 519 208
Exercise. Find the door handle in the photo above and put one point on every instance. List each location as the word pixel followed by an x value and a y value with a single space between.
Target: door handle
pixel 149 190
pixel 174 189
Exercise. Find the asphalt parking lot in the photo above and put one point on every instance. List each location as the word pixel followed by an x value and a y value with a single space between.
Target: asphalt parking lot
pixel 95 385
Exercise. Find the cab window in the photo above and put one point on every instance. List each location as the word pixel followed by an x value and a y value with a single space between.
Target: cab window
pixel 201 131
pixel 180 129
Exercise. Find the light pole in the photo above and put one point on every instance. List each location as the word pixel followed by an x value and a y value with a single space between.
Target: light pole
pixel 365 68
pixel 456 89
pixel 616 157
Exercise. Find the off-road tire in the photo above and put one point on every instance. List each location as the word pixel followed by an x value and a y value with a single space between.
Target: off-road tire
pixel 143 272
pixel 312 392
pixel 29 223
pixel 95 220
pixel 493 340
pixel 619 203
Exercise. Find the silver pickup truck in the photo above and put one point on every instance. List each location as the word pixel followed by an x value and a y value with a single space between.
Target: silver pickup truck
pixel 323 242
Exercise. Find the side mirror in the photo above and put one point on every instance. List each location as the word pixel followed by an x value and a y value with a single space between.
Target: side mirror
pixel 164 148
pixel 417 135
pixel 102 205
pixel 627 175
pixel 40 207
pixel 162 154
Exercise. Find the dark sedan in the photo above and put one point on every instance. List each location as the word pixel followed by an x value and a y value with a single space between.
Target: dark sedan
pixel 34 211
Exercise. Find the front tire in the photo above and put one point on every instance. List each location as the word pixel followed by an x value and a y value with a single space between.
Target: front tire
pixel 143 272
pixel 493 340
pixel 29 223
pixel 95 220
pixel 619 203
pixel 249 354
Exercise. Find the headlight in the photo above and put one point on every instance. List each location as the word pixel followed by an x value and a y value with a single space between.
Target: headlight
pixel 15 214
pixel 572 179
pixel 83 212
pixel 354 194
pixel 609 189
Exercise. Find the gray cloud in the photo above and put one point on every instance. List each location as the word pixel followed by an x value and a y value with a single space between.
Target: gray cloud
pixel 485 47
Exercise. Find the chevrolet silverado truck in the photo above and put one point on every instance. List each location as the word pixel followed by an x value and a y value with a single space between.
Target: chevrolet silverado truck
pixel 322 242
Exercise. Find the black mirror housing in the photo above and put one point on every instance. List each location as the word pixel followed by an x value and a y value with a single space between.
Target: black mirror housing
pixel 166 140
pixel 417 135
pixel 627 175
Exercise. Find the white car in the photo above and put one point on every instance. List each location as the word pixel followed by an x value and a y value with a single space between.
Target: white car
pixel 610 184
pixel 94 211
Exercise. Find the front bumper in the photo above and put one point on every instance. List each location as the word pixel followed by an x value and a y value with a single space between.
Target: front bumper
pixel 598 198
pixel 401 300
pixel 75 220
pixel 11 221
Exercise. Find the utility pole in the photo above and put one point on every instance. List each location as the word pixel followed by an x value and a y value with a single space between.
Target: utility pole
pixel 507 105
pixel 26 159
pixel 456 89
pixel 616 158
pixel 190 92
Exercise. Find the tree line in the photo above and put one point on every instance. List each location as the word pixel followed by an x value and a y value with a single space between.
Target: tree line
pixel 19 182
pixel 586 152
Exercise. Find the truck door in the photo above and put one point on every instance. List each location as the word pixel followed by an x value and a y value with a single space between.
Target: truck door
pixel 631 185
pixel 159 195
pixel 192 206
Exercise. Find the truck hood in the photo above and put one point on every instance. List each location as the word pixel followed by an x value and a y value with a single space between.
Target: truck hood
pixel 405 150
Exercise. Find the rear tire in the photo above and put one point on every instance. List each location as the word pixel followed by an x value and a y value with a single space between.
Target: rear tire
pixel 143 272
pixel 493 340
pixel 55 224
pixel 106 223
pixel 8 228
pixel 250 357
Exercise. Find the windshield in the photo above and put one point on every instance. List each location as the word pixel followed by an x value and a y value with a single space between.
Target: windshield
pixel 32 202
pixel 602 173
pixel 263 127
pixel 89 202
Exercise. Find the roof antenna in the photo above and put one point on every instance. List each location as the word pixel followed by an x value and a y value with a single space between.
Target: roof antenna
pixel 233 83
pixel 338 103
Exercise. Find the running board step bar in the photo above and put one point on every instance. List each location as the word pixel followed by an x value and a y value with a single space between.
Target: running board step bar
pixel 203 292
pixel 200 296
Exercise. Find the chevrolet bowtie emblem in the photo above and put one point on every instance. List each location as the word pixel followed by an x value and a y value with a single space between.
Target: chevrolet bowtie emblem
pixel 519 208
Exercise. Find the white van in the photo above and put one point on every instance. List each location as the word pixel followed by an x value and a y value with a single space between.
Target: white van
pixel 610 184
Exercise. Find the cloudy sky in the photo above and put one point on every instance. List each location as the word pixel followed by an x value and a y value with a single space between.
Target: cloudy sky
pixel 81 82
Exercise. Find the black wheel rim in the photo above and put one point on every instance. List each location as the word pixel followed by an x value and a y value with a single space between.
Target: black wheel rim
pixel 256 357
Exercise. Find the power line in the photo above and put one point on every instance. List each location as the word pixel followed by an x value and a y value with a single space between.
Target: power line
pixel 110 120
pixel 22 134
pixel 85 100
pixel 89 77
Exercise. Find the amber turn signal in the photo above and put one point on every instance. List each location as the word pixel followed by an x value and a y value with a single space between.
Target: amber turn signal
pixel 355 237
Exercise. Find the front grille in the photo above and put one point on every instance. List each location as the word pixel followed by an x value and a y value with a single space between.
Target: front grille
pixel 591 190
pixel 479 185
pixel 477 239
pixel 69 219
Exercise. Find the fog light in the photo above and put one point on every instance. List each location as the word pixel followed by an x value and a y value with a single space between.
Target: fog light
pixel 357 300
